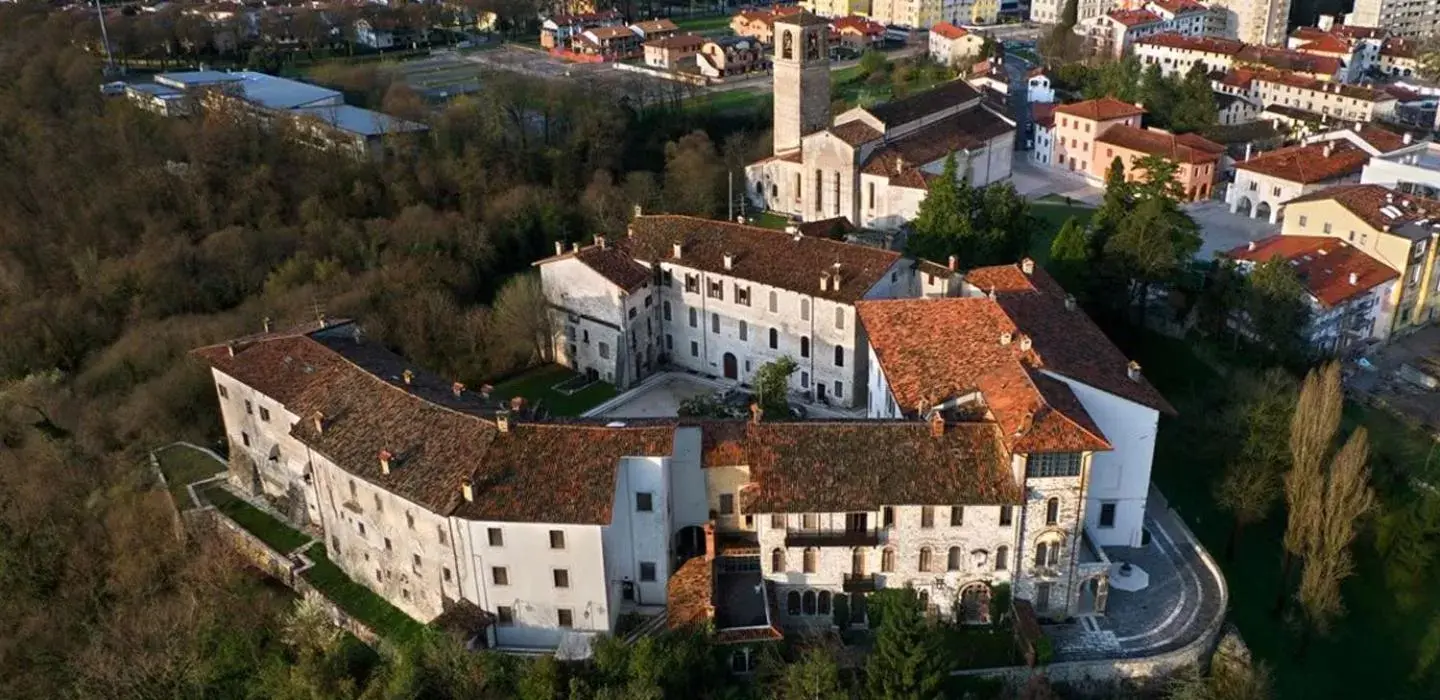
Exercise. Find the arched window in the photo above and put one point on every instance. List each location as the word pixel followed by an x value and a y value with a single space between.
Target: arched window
pixel 1042 549
pixel 975 604
pixel 1002 558
pixel 1052 511
pixel 952 559
pixel 774 339
pixel 1047 552
pixel 804 309
pixel 777 560
pixel 925 600
pixel 924 558
pixel 787 45
pixel 810 553
pixel 812 45
pixel 823 606
pixel 792 603
pixel 804 346
pixel 887 560
pixel 839 356
pixel 809 602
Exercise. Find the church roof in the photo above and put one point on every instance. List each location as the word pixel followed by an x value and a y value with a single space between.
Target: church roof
pixel 921 104
pixel 968 129
pixel 856 132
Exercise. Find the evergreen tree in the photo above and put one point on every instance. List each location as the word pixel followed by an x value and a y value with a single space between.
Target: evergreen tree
pixel 815 676
pixel 1151 244
pixel 1194 107
pixel 1275 307
pixel 941 221
pixel 1113 208
pixel 1157 94
pixel 1070 256
pixel 908 661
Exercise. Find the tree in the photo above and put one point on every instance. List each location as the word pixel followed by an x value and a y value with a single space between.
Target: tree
pixel 694 178
pixel 1312 429
pixel 1159 179
pixel 1152 244
pixel 1229 679
pixel 1070 256
pixel 873 62
pixel 908 661
pixel 1408 539
pixel 991 49
pixel 772 386
pixel 1275 309
pixel 941 220
pixel 522 316
pixel 1328 561
pixel 1157 93
pixel 1251 483
pixel 1194 107
pixel 1114 207
pixel 814 676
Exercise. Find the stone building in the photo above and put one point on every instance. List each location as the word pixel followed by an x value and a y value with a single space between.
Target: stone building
pixel 871 164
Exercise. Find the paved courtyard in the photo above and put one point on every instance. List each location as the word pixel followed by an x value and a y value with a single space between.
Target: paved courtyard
pixel 1222 230
pixel 657 397
pixel 1033 180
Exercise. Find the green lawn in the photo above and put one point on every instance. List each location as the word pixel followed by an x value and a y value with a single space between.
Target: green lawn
pixel 1372 650
pixel 1052 214
pixel 281 537
pixel 183 465
pixel 704 25
pixel 770 219
pixel 737 100
pixel 358 601
pixel 535 385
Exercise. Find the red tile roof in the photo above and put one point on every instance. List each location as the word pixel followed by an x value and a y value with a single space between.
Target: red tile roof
pixel 656 25
pixel 1043 113
pixel 1398 47
pixel 948 30
pixel 1323 264
pixel 971 128
pixel 856 132
pixel 1354 32
pixel 1135 18
pixel 1308 83
pixel 1289 60
pixel 761 255
pixel 1370 202
pixel 1326 44
pixel 1207 44
pixel 858 24
pixel 1186 148
pixel 1309 164
pixel 1383 140
pixel 1179 6
pixel 678 41
pixel 1239 77
pixel 1103 109
pixel 690 594
pixel 610 262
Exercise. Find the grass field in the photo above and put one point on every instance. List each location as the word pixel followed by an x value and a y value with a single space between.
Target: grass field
pixel 770 219
pixel 1052 214
pixel 358 601
pixel 281 537
pixel 704 25
pixel 183 465
pixel 535 385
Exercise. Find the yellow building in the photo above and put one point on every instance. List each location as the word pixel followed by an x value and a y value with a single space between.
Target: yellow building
pixel 1392 227
pixel 985 12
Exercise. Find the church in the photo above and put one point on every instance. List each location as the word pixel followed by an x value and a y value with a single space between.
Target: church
pixel 872 164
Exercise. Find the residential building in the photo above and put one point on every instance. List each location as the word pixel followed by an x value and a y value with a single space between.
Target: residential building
pixel 857 32
pixel 1263 184
pixel 910 14
pixel 559 32
pixel 1349 294
pixel 1233 109
pixel 609 43
pixel 731 55
pixel 1177 53
pixel 1398 230
pixel 1037 86
pixel 836 8
pixel 1412 19
pixel 870 164
pixel 1078 124
pixel 1115 32
pixel 1196 158
pixel 653 29
pixel 369 35
pixel 1333 100
pixel 760 24
pixel 1397 58
pixel 1364 43
pixel 1414 170
pixel 951 45
pixel 673 51
pixel 1271 58
pixel 1259 22
pixel 1050 11
pixel 1042 134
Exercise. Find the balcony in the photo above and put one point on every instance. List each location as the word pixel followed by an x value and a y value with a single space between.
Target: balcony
pixel 859 583
pixel 832 538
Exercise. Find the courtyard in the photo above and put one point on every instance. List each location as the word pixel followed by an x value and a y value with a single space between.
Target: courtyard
pixel 1221 230
pixel 1034 180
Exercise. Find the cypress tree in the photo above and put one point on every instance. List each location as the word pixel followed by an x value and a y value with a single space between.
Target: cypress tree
pixel 908 662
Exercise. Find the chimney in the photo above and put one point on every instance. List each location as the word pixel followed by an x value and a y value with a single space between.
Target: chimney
pixel 319 419
pixel 485 390
pixel 729 261
pixel 1133 370
pixel 502 421
pixel 1024 343
pixel 953 262
pixel 1069 302
pixel 1250 246
pixel 322 321
pixel 574 247
pixel 356 333
pixel 1027 266
pixel 600 241
pixel 1328 150
pixel 835 275
pixel 756 413
pixel 1248 147
pixel 740 219
pixel 517 403
pixel 638 211
pixel 1408 137
pixel 675 250
pixel 1005 338
pixel 408 377
pixel 559 247
pixel 824 282
pixel 467 490
pixel 709 541
pixel 267 324
pixel 230 347
pixel 457 389
pixel 1354 278
pixel 937 424
pixel 385 458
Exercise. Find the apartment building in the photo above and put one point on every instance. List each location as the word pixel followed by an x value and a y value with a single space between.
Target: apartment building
pixel 1078 124
pixel 760 24
pixel 1259 22
pixel 1050 11
pixel 1196 158
pixel 1413 19
pixel 1363 44
pixel 560 31
pixel 1115 32
pixel 1334 100
pixel 1177 53
pixel 1265 183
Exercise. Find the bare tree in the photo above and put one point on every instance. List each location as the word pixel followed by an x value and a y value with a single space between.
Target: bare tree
pixel 1251 483
pixel 522 315
pixel 1317 417
pixel 1328 561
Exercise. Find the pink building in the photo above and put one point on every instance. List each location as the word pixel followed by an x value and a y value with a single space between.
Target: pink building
pixel 1078 124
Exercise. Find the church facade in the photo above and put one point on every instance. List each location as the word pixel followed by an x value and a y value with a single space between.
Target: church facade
pixel 871 165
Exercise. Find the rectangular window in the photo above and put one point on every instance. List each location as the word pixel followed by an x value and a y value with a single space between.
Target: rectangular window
pixel 804 380
pixel 839 389
pixel 666 310
pixel 819 186
pixel 352 490
pixel 1007 515
pixel 225 394
pixel 245 438
pixel 249 407
pixel 774 339
pixel 388 546
pixel 727 504
pixel 445 573
pixel 810 521
pixel 714 323
pixel 604 351
pixel 1326 228
pixel 1050 464
pixel 497 538
pixel 557 539
pixel 840 313
pixel 499 576
pixel 504 615
pixel 562 578
pixel 694 348
pixel 957 516
pixel 872 195
pixel 415 560
pixel 777 521
pixel 716 290
pixel 694 318
pixel 379 507
pixel 744 331
pixel 1302 221
pixel 265 414
pixel 565 618
pixel 669 342
pixel 1107 515
pixel 644 502
pixel 1042 596
pixel 692 283
pixel 647 571
pixel 927 516
pixel 443 536
pixel 774 303
pixel 410 520
pixel 742 295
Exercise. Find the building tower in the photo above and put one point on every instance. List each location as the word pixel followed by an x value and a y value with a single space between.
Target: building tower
pixel 802 78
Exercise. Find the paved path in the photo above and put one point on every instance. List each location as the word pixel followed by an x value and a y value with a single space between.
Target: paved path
pixel 1034 180
pixel 1220 230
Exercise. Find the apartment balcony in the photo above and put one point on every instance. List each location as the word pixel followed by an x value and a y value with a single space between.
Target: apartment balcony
pixel 832 538
pixel 859 583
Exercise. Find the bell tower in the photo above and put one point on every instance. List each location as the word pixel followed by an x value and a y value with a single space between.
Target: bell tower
pixel 802 78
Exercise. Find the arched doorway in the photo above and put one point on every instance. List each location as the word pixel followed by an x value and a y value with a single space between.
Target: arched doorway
pixel 1243 208
pixel 1093 595
pixel 974 604
pixel 1262 211
pixel 689 542
pixel 732 370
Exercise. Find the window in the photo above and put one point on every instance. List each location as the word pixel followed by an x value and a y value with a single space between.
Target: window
pixel 809 521
pixel 265 414
pixel 445 573
pixel 585 337
pixel 379 507
pixel 819 188
pixel 604 351
pixel 1042 596
pixel 1326 228
pixel 565 618
pixel 1275 191
pixel 824 604
pixel 716 290
pixel 647 571
pixel 1052 511
pixel 497 538
pixel 557 539
pixel 839 389
pixel 727 504
pixel 225 394
pixel 562 578
pixel 1006 515
pixel 1107 515
pixel 505 615
pixel 361 526
pixel 415 560
pixel 1002 558
pixel 669 342
pixel 792 603
pixel 1303 219
pixel 777 521
pixel 714 323
pixel 410 520
pixel 804 346
pixel 692 283
pixel 644 502
pixel 804 309
pixel 924 559
pixel 927 516
pixel 952 559
pixel 694 348
pixel 1053 464
pixel 499 576
pixel 352 489
pixel 839 356
pixel 887 516
pixel 666 310
pixel 245 438
pixel 774 303
pixel 809 602
pixel 777 560
pixel 694 318
pixel 388 546
pixel 804 380
pixel 887 560
pixel 1047 553
pixel 742 295
pixel 249 407
pixel 774 339
pixel 633 311
pixel 744 331
pixel 872 195
pixel 809 560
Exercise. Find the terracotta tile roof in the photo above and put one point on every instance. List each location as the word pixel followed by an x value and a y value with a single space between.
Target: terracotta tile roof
pixel 799 16
pixel 1370 202
pixel 604 33
pixel 1134 18
pixel 1402 94
pixel 1323 264
pixel 678 41
pixel 1383 140
pixel 1186 148
pixel 722 443
pixel 615 265
pixel 1398 47
pixel 1308 83
pixel 1207 44
pixel 1103 109
pixel 1289 60
pixel 1036 72
pixel 912 178
pixel 747 635
pixel 1179 6
pixel 1239 77
pixel 690 594
pixel 656 25
pixel 586 17
pixel 858 24
pixel 922 104
pixel 281 365
pixel 769 16
pixel 826 228
pixel 948 30
pixel 1043 113
pixel 971 128
pixel 856 132
pixel 819 466
pixel 1355 32
pixel 1309 164
pixel 762 255
pixel 1326 44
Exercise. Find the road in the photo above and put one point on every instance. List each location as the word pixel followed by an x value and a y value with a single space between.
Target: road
pixel 762 82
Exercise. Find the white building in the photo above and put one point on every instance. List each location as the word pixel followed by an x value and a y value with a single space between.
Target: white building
pixel 1414 171
pixel 1415 19
pixel 1177 53
pixel 1037 87
pixel 951 45
pixel 1116 31
pixel 1264 183
pixel 1261 22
